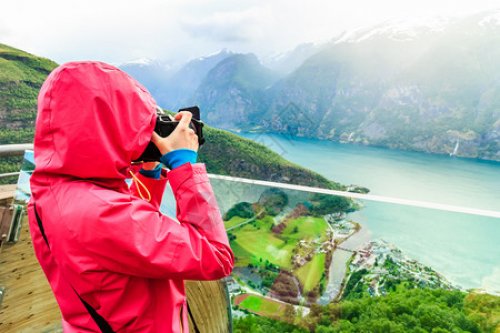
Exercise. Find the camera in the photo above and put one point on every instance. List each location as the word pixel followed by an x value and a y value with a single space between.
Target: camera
pixel 166 125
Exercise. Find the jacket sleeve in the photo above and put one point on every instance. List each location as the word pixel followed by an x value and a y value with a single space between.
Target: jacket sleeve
pixel 144 242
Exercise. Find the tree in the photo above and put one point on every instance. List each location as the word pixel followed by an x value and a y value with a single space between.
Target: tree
pixel 241 209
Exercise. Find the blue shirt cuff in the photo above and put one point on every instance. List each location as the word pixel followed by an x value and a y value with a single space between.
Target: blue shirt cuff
pixel 154 173
pixel 178 157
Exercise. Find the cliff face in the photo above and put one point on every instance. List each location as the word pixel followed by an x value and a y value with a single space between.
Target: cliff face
pixel 397 116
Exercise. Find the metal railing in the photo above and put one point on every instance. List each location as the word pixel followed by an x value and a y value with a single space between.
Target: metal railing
pixel 18 149
pixel 15 149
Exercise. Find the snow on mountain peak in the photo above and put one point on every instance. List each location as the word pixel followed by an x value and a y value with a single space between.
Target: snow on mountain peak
pixel 139 61
pixel 399 29
pixel 214 54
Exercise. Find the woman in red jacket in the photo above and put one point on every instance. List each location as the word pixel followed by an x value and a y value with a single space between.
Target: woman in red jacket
pixel 114 262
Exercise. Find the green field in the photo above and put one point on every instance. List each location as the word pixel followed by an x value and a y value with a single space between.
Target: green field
pixel 308 228
pixel 261 243
pixel 310 274
pixel 254 242
pixel 262 306
pixel 235 220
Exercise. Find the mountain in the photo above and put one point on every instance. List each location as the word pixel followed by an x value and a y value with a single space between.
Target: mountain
pixel 173 88
pixel 153 74
pixel 233 92
pixel 287 62
pixel 428 89
pixel 22 74
pixel 185 82
pixel 431 86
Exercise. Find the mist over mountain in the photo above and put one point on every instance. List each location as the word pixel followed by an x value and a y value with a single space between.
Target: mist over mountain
pixel 151 73
pixel 233 92
pixel 429 86
pixel 174 88
pixel 287 62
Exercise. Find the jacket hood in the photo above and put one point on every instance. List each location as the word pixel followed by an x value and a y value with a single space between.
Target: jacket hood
pixel 93 120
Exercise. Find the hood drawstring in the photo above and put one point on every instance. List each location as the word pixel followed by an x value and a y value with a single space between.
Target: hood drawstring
pixel 139 184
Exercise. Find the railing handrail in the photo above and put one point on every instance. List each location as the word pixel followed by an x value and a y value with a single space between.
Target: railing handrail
pixel 15 149
pixel 9 174
pixel 11 149
pixel 369 197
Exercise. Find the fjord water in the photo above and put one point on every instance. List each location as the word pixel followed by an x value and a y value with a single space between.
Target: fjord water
pixel 464 248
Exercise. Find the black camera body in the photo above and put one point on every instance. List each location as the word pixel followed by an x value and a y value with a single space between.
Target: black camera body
pixel 165 126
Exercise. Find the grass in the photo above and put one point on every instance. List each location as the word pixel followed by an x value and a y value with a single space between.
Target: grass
pixel 484 309
pixel 9 72
pixel 262 306
pixel 310 274
pixel 242 256
pixel 258 241
pixel 255 241
pixel 235 220
pixel 308 227
pixel 262 243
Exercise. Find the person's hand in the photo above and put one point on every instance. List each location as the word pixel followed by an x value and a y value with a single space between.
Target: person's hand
pixel 182 137
pixel 149 165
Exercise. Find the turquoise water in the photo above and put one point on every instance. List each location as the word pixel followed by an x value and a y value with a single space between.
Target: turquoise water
pixel 465 248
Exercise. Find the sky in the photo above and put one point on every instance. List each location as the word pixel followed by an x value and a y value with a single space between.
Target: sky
pixel 178 30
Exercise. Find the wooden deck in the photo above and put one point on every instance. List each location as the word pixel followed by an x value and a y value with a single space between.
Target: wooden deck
pixel 7 192
pixel 28 303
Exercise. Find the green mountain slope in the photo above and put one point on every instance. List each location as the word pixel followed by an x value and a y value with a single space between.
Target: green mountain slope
pixel 228 154
pixel 22 74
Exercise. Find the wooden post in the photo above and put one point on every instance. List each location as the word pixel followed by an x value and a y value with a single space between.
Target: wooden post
pixel 209 307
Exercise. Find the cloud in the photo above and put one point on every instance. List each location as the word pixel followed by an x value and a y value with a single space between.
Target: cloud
pixel 228 26
pixel 177 30
pixel 4 31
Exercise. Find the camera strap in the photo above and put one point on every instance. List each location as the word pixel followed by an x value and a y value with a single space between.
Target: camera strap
pixel 138 185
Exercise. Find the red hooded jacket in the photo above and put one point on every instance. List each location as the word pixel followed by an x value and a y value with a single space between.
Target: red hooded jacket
pixel 99 244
